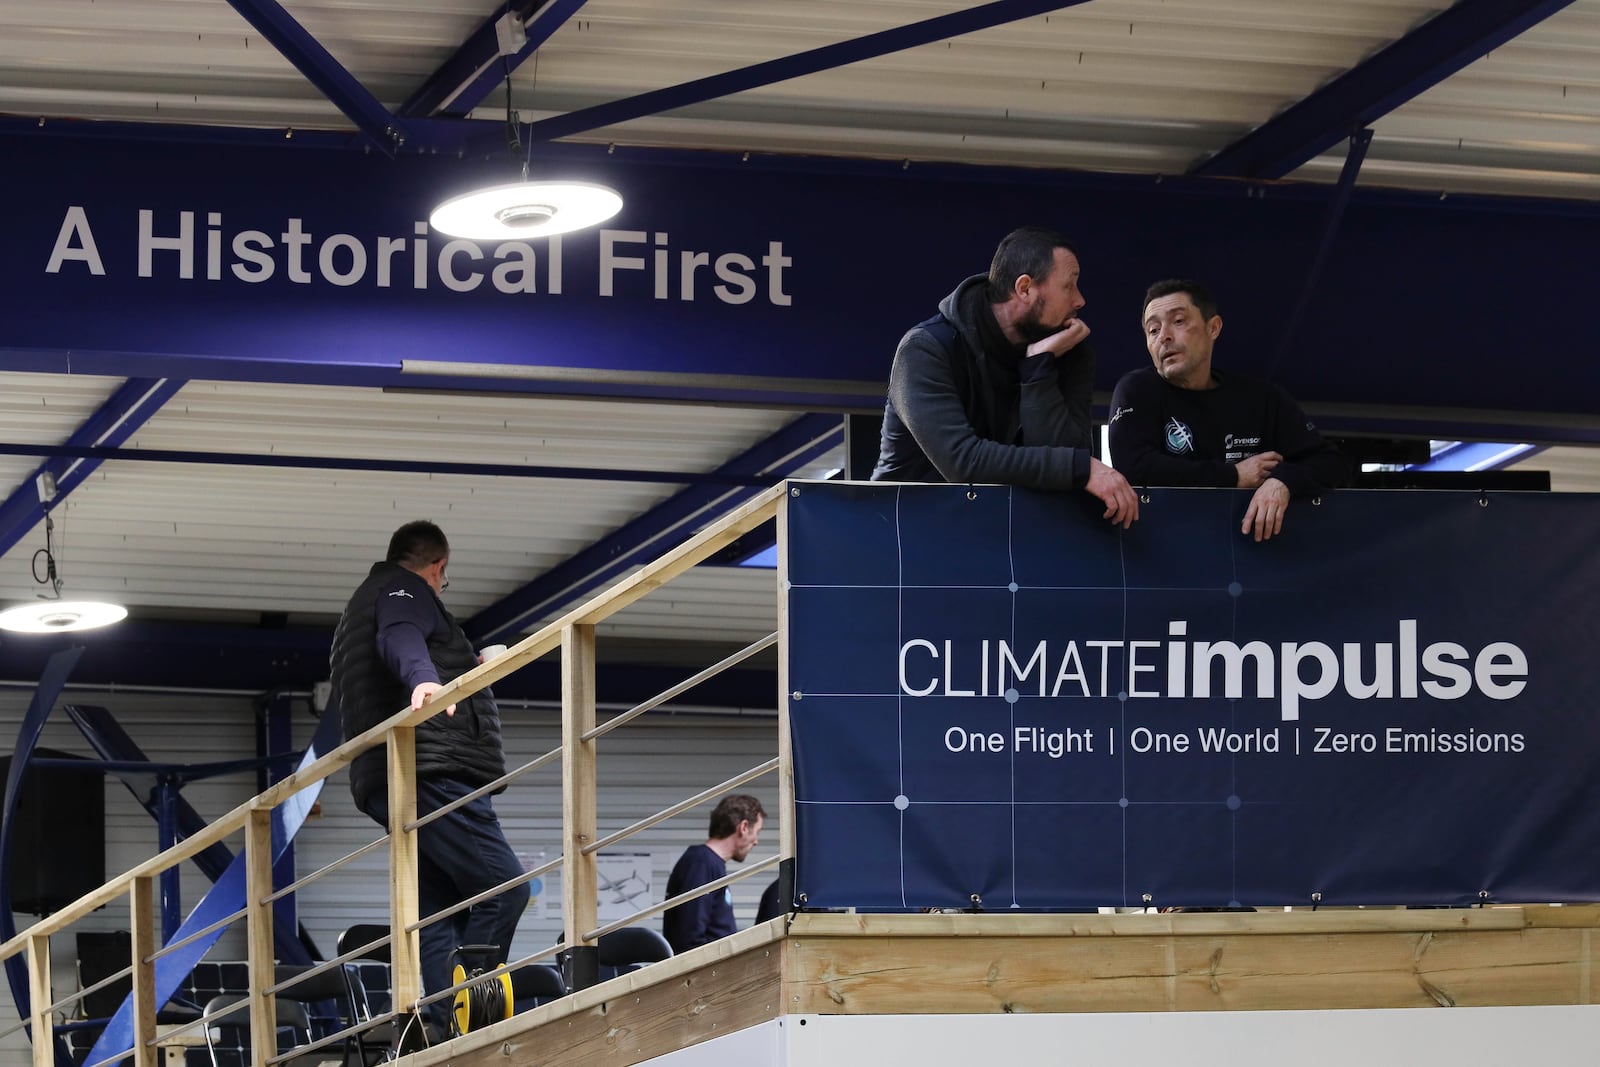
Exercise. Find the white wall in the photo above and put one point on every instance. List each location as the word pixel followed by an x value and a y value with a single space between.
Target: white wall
pixel 1396 1037
pixel 1392 1037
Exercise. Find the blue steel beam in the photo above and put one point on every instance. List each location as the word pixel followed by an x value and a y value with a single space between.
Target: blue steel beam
pixel 1421 59
pixel 463 81
pixel 118 418
pixel 1360 141
pixel 790 448
pixel 60 453
pixel 314 61
pixel 225 655
pixel 113 744
pixel 827 57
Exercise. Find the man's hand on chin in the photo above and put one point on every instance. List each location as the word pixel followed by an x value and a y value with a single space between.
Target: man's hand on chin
pixel 1062 341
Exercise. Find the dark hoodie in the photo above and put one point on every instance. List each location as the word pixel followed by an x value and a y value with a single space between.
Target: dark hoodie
pixel 966 405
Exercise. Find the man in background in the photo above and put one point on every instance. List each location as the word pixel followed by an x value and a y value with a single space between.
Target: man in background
pixel 735 829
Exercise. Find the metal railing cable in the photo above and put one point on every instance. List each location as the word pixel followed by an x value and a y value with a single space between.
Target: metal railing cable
pixel 326 868
pixel 692 894
pixel 348 1032
pixel 492 891
pixel 118 1058
pixel 682 687
pixel 126 972
pixel 226 920
pixel 682 806
pixel 504 968
pixel 483 791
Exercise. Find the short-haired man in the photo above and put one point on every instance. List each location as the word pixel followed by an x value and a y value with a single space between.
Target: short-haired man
pixel 735 829
pixel 1181 422
pixel 394 645
pixel 996 387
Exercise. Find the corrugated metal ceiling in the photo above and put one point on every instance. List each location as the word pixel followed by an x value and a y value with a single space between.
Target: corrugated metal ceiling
pixel 1146 86
pixel 183 539
pixel 1141 85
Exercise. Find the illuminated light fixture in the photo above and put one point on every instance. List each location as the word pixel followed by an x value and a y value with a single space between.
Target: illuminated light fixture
pixel 525 209
pixel 50 614
pixel 61 616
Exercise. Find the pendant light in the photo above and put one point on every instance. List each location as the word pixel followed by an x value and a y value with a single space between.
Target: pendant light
pixel 524 209
pixel 50 614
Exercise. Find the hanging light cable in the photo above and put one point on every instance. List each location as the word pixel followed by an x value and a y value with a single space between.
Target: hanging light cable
pixel 51 614
pixel 527 208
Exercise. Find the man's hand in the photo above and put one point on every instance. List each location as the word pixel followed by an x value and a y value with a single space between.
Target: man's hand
pixel 1062 341
pixel 420 695
pixel 1264 516
pixel 1253 471
pixel 1122 503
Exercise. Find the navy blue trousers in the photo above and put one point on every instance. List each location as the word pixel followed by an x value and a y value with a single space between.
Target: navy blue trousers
pixel 459 856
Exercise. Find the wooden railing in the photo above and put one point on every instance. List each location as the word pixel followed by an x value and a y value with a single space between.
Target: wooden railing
pixel 574 636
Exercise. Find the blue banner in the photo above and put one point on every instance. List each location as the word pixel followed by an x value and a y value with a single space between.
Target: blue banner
pixel 999 700
pixel 774 279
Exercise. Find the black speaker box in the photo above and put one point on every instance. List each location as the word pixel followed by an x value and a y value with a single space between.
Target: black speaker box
pixel 58 840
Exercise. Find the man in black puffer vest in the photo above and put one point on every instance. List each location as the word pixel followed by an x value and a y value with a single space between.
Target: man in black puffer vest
pixel 394 645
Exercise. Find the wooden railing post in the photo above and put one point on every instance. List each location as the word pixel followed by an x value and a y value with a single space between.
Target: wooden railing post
pixel 141 924
pixel 258 930
pixel 580 886
pixel 44 1038
pixel 405 948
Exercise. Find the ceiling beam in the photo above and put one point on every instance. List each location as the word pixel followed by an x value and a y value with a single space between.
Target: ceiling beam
pixel 62 453
pixel 314 61
pixel 1354 155
pixel 230 657
pixel 466 79
pixel 127 409
pixel 775 457
pixel 1421 59
pixel 844 53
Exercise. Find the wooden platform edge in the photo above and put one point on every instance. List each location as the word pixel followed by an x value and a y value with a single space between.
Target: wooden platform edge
pixel 835 964
pixel 715 990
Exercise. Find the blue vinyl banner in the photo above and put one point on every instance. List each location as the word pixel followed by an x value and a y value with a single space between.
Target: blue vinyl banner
pixel 996 699
pixel 736 279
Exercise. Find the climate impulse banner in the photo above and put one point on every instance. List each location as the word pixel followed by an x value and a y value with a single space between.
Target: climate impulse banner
pixel 998 700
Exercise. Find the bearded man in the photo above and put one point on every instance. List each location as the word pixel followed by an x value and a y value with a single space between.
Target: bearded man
pixel 996 387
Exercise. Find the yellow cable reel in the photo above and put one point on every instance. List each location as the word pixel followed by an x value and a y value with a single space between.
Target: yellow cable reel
pixel 481 1003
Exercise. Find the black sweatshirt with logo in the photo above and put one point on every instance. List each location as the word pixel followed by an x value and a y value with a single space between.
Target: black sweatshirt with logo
pixel 1162 435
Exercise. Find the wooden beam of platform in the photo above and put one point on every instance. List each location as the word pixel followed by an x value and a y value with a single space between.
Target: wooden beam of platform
pixel 1188 962
pixel 840 964
pixel 717 989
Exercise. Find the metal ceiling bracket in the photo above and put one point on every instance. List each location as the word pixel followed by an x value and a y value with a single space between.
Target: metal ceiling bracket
pixel 486 57
pixel 314 61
